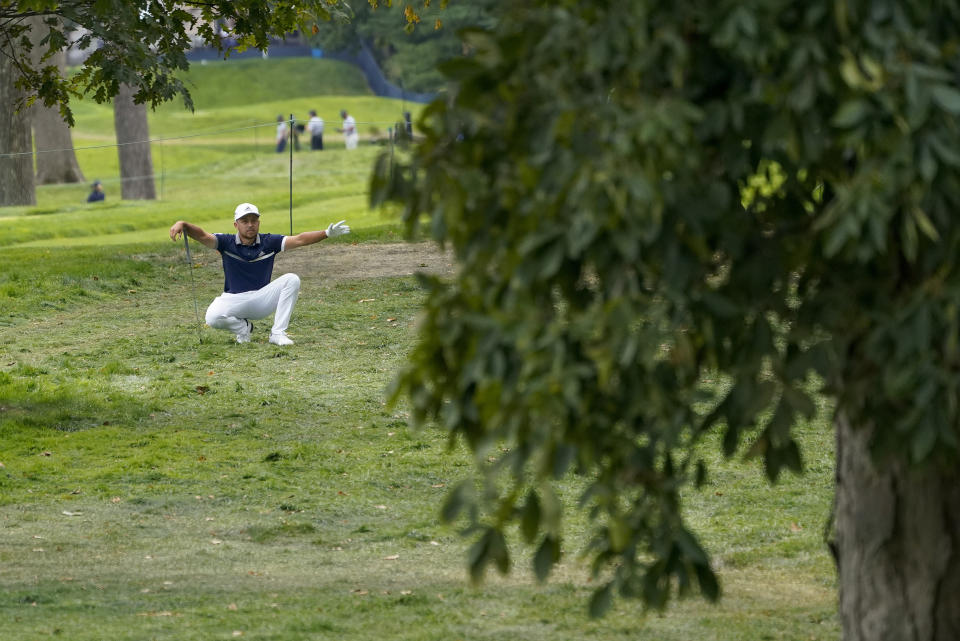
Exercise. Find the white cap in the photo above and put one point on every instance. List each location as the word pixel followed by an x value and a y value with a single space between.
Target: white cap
pixel 243 209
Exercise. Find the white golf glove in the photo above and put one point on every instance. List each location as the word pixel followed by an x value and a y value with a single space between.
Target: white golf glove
pixel 337 229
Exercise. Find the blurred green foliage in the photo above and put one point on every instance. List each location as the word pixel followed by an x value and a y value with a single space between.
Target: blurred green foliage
pixel 408 46
pixel 674 220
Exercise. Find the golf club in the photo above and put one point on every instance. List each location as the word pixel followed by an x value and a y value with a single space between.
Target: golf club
pixel 193 287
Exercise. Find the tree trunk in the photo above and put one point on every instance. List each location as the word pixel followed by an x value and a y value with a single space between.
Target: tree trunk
pixel 16 152
pixel 898 545
pixel 133 135
pixel 56 160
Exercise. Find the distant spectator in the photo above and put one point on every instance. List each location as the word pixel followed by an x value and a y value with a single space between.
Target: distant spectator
pixel 315 125
pixel 96 192
pixel 281 134
pixel 350 136
pixel 298 128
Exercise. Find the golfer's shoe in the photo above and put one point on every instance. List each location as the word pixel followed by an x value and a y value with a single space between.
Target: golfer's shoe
pixel 244 336
pixel 280 338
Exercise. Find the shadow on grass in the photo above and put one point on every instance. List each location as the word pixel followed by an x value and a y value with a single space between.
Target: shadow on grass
pixel 28 401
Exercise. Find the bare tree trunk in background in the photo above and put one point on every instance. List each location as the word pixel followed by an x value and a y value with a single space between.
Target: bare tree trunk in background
pixel 56 160
pixel 16 151
pixel 898 545
pixel 133 134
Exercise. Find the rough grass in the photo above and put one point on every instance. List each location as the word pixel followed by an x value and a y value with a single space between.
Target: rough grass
pixel 156 487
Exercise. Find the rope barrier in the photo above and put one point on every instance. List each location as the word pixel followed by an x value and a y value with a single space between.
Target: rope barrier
pixel 177 175
pixel 215 132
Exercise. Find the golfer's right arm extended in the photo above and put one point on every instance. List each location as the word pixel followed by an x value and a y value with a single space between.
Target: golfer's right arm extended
pixel 194 232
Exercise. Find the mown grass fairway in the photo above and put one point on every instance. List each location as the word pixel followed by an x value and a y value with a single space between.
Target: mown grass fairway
pixel 157 487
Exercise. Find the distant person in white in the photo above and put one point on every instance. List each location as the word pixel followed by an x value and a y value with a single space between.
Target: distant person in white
pixel 281 134
pixel 315 126
pixel 350 136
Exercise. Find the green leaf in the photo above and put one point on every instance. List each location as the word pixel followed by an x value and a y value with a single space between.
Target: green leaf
pixel 760 446
pixel 851 113
pixel 490 547
pixel 792 458
pixel 923 440
pixel 838 236
pixel 944 151
pixel 778 427
pixel 947 98
pixel 479 555
pixel 701 474
pixel 909 238
pixel 548 554
pixel 708 582
pixel 799 401
pixel 927 163
pixel 619 533
pixel 550 509
pixel 731 439
pixel 925 224
pixel 563 457
pixel 802 96
pixel 499 552
pixel 692 550
pixel 719 305
pixel 772 463
pixel 601 601
pixel 656 584
pixel 547 236
pixel 457 499
pixel 530 520
pixel 460 68
pixel 551 260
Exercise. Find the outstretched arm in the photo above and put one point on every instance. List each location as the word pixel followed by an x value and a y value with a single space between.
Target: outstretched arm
pixel 194 232
pixel 311 237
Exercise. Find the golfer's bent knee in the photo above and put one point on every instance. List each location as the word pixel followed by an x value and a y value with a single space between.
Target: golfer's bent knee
pixel 216 321
pixel 291 280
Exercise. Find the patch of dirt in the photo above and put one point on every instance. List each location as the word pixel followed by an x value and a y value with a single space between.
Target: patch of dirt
pixel 336 262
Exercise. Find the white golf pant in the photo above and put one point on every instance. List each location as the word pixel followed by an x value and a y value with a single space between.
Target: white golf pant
pixel 228 311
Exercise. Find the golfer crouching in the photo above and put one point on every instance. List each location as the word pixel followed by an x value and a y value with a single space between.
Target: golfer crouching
pixel 247 266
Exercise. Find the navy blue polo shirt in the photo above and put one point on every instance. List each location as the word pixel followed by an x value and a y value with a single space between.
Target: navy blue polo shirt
pixel 247 267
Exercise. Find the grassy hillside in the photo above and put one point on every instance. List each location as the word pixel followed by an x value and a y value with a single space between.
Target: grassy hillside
pixel 227 91
pixel 235 82
pixel 208 160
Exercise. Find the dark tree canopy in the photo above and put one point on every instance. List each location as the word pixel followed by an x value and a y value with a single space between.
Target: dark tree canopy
pixel 142 44
pixel 408 56
pixel 590 169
